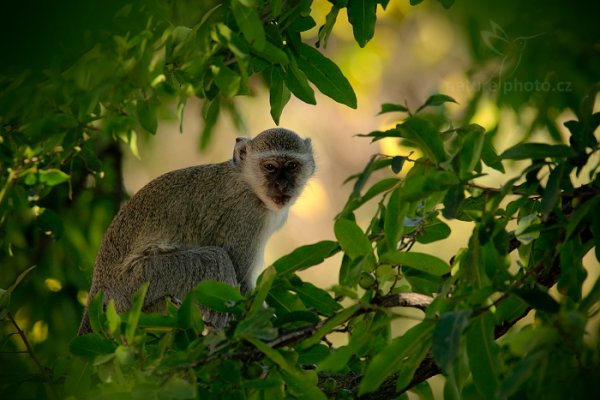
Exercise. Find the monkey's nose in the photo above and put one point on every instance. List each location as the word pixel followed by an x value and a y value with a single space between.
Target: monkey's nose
pixel 282 185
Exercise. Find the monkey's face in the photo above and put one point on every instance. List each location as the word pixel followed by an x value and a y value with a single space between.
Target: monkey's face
pixel 276 164
pixel 281 179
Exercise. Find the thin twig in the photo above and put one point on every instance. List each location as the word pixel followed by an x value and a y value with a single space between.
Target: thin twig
pixel 33 356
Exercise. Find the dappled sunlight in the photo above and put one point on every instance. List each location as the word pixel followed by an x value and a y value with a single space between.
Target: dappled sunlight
pixel 487 114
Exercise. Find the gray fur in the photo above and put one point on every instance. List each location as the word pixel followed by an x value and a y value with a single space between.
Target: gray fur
pixel 198 223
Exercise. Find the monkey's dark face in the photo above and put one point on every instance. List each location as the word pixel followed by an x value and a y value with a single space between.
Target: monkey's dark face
pixel 281 179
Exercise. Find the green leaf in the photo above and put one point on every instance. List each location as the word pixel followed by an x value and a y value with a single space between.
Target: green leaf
pixel 265 282
pixel 572 271
pixel 210 113
pixel 5 294
pixel 272 54
pixel 325 30
pixel 423 391
pixel 538 299
pixel 226 80
pixel 189 315
pixel 436 100
pixel 410 364
pixel 519 375
pixel 326 75
pixel 391 358
pixel 317 299
pixel 91 345
pixel 419 261
pixel 135 311
pixel 592 298
pixel 257 325
pixel 489 155
pixel 470 152
pixel 305 256
pixel 394 217
pixel 92 162
pixel 250 24
pixel 552 190
pixel 420 186
pixel 300 385
pixel 279 94
pixel 352 239
pixel 313 355
pixel 96 317
pixel 525 151
pixel 453 200
pixel 584 213
pixel 528 228
pixel 378 188
pixel 113 318
pixel 147 115
pixel 217 295
pixel 483 355
pixel 425 137
pixel 434 231
pixel 397 164
pixel 52 176
pixel 389 107
pixel 302 317
pixel 328 326
pixel 292 376
pixel 178 388
pixel 296 81
pixel 362 15
pixel 228 38
pixel 446 337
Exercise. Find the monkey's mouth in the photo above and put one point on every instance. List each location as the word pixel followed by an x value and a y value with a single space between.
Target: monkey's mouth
pixel 281 199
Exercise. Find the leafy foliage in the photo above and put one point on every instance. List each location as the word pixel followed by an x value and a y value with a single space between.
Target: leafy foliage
pixel 529 236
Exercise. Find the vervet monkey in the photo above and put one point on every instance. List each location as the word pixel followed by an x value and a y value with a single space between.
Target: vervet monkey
pixel 203 222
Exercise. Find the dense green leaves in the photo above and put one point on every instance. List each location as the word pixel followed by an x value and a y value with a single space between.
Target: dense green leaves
pixel 120 70
pixel 393 357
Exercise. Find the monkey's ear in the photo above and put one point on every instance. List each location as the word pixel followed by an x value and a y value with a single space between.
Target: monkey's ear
pixel 239 151
pixel 308 144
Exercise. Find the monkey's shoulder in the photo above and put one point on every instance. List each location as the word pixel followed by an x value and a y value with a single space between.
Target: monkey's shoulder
pixel 195 177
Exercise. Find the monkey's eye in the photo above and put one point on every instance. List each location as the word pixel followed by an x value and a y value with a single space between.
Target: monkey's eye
pixel 269 167
pixel 290 166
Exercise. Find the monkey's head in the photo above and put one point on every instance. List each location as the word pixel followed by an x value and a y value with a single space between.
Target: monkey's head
pixel 276 164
